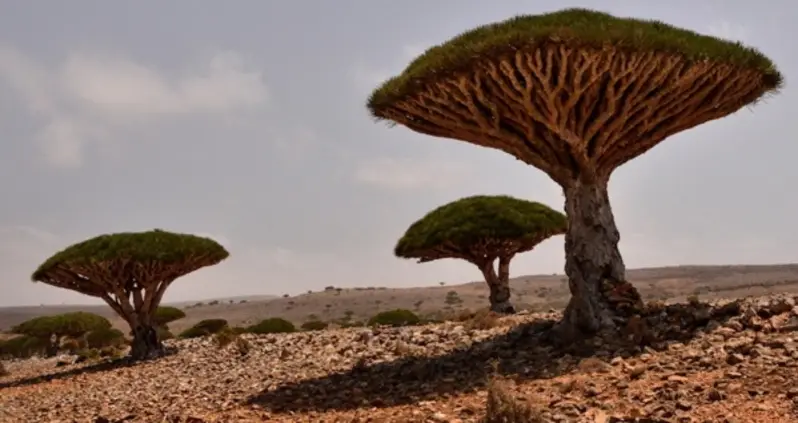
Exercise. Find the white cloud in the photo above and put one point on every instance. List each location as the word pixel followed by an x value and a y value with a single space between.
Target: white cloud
pixel 121 86
pixel 408 174
pixel 88 96
pixel 729 31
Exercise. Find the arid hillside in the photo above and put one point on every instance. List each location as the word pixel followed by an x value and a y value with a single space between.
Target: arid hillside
pixel 534 293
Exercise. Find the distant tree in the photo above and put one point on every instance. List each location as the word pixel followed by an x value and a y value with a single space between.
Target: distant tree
pixel 453 298
pixel 131 272
pixel 52 329
pixel 481 230
pixel 577 93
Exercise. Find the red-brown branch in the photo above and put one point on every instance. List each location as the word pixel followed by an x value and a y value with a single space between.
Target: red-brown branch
pixel 575 111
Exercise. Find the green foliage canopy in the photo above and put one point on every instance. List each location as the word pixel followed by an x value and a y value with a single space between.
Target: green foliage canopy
pixel 68 324
pixel 487 222
pixel 576 27
pixel 172 254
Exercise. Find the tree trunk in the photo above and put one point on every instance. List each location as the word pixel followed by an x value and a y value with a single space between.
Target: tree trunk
pixel 499 285
pixel 53 345
pixel 145 343
pixel 601 298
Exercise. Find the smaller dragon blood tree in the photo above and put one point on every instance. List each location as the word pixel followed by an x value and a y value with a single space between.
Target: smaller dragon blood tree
pixel 130 272
pixel 482 230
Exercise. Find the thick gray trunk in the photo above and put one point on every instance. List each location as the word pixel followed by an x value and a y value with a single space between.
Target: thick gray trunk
pixel 145 343
pixel 499 285
pixel 600 295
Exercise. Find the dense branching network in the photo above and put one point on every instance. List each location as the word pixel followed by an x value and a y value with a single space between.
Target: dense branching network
pixel 573 92
pixel 124 266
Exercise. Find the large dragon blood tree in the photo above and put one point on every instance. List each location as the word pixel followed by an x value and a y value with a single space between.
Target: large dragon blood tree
pixel 131 272
pixel 576 94
pixel 481 230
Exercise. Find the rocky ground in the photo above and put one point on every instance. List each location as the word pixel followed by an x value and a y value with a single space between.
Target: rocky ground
pixel 723 362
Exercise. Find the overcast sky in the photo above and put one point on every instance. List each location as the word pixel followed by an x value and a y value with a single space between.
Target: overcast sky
pixel 245 121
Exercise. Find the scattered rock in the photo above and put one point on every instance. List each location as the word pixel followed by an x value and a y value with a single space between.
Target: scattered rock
pixel 741 353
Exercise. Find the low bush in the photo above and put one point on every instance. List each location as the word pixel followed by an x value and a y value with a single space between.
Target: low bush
pixel 108 337
pixel 72 345
pixel 238 330
pixel 164 333
pixel 314 325
pixel 398 317
pixel 87 354
pixel 167 314
pixel 225 337
pixel 242 346
pixel 204 328
pixel 479 320
pixel 23 347
pixel 272 325
pixel 111 352
pixel 504 407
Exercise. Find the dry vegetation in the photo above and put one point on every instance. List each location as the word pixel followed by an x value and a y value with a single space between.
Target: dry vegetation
pixel 535 293
pixel 683 362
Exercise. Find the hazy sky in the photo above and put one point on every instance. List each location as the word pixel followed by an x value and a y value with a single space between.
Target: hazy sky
pixel 246 121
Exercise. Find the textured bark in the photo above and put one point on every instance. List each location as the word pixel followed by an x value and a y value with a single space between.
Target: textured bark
pixel 600 295
pixel 499 285
pixel 145 343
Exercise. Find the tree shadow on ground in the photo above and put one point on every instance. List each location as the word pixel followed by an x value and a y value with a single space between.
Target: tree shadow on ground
pixel 102 366
pixel 526 352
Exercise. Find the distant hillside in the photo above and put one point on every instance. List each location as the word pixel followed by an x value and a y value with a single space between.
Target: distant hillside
pixel 529 292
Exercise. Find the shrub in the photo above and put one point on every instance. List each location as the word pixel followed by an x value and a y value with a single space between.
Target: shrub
pixel 238 330
pixel 225 337
pixel 398 317
pixel 166 314
pixel 109 337
pixel 164 333
pixel 72 345
pixel 73 325
pixel 242 346
pixel 110 352
pixel 88 354
pixel 204 328
pixel 23 347
pixel 503 407
pixel 314 325
pixel 273 325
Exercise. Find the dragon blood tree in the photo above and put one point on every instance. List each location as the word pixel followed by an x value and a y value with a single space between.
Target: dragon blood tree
pixel 577 93
pixel 131 272
pixel 480 230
